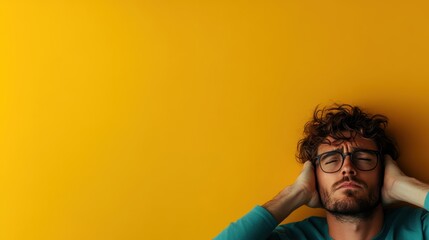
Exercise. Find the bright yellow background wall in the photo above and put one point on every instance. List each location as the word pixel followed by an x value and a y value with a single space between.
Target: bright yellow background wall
pixel 171 119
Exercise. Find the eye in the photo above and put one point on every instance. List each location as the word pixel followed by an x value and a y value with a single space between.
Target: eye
pixel 364 159
pixel 364 156
pixel 330 158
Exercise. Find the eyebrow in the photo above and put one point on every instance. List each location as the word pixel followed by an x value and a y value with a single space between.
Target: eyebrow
pixel 353 149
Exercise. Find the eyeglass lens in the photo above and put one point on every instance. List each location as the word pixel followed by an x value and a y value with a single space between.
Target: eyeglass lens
pixel 362 160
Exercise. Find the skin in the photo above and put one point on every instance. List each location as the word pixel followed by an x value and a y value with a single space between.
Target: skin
pixel 351 196
pixel 396 187
pixel 342 190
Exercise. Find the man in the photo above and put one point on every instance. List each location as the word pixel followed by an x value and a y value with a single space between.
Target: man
pixel 349 171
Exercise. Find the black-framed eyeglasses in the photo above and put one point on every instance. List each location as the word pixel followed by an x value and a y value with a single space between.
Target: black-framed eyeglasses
pixel 362 159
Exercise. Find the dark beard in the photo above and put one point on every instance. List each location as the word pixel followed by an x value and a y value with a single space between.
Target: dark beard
pixel 352 208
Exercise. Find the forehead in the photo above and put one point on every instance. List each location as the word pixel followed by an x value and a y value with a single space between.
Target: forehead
pixel 358 141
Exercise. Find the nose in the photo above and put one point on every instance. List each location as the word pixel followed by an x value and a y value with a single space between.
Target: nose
pixel 348 168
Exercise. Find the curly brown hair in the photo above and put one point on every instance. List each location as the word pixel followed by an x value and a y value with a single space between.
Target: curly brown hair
pixel 338 119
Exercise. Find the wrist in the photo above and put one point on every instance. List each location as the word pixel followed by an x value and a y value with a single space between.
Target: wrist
pixel 410 190
pixel 285 202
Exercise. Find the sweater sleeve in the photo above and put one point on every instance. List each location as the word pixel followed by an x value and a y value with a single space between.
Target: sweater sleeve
pixel 258 224
pixel 427 202
pixel 425 218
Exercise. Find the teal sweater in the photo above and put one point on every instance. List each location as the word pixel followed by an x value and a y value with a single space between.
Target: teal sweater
pixel 401 223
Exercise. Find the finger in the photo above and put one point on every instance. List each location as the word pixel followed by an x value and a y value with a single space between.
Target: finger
pixel 308 164
pixel 389 161
pixel 387 157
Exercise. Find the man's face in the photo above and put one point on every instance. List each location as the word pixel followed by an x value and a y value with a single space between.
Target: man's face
pixel 349 191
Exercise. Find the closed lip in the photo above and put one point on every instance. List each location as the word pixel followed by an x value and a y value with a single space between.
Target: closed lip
pixel 349 185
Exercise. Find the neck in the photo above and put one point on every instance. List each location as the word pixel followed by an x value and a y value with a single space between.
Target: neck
pixel 355 227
